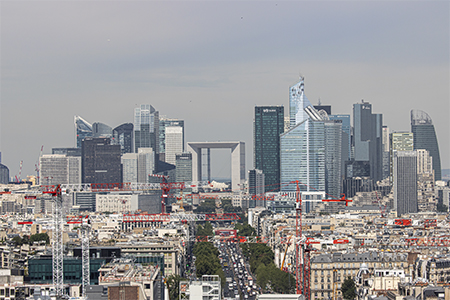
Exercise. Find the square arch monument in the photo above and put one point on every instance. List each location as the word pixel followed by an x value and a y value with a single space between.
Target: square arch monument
pixel 237 160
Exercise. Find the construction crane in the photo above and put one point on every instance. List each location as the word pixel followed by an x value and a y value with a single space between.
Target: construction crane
pixel 20 172
pixel 285 252
pixel 38 166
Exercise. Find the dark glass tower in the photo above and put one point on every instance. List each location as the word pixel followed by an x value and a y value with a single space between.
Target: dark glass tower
pixel 123 136
pixel 100 161
pixel 425 138
pixel 267 128
pixel 83 129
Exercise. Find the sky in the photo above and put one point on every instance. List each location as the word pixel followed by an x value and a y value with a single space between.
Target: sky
pixel 210 63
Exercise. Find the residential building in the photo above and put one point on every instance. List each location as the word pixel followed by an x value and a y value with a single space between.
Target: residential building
pixel 123 135
pixel 268 125
pixel 100 161
pixel 405 182
pixel 425 138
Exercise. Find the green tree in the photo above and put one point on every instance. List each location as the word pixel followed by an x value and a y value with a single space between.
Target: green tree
pixel 173 285
pixel 348 289
pixel 245 230
pixel 40 237
pixel 442 207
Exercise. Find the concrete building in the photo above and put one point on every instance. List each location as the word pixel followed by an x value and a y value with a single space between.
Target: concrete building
pixel 173 143
pixel 256 188
pixel 183 168
pixel 60 169
pixel 100 161
pixel 129 167
pixel 165 122
pixel 209 287
pixel 146 164
pixel 405 182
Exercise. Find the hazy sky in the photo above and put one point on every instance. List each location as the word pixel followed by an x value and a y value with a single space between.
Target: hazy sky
pixel 210 63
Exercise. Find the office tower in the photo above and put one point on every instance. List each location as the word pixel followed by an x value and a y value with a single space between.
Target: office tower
pixel 173 143
pixel 163 124
pixel 256 187
pixel 100 161
pixel 426 197
pixel 83 129
pixel 333 158
pixel 268 125
pixel 424 161
pixel 146 164
pixel 368 138
pixel 129 167
pixel 60 169
pixel 386 152
pixel 4 174
pixel 146 127
pixel 286 123
pixel 183 167
pixel 123 136
pixel 405 182
pixel 297 103
pixel 425 138
pixel 67 151
pixel 101 130
pixel 302 157
pixel 399 141
pixel 346 133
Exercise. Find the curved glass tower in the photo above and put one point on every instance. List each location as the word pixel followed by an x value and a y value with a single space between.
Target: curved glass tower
pixel 425 138
pixel 83 129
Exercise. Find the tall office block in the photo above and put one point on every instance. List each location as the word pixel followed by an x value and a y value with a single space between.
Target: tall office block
pixel 386 152
pixel 67 151
pixel 83 129
pixel 4 174
pixel 268 125
pixel 399 141
pixel 123 136
pixel 297 103
pixel 129 167
pixel 100 161
pixel 333 158
pixel 173 143
pixel 302 156
pixel 346 133
pixel 325 108
pixel 146 127
pixel 183 167
pixel 424 162
pixel 405 182
pixel 256 187
pixel 163 124
pixel 60 169
pixel 101 130
pixel 146 164
pixel 425 138
pixel 368 138
pixel 426 196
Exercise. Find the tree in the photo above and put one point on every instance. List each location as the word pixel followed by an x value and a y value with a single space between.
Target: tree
pixel 348 289
pixel 173 285
pixel 40 237
pixel 442 207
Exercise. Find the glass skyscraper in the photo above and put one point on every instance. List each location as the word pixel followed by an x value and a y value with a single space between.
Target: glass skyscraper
pixel 425 138
pixel 268 125
pixel 146 127
pixel 163 124
pixel 123 136
pixel 405 182
pixel 333 157
pixel 302 156
pixel 83 129
pixel 297 103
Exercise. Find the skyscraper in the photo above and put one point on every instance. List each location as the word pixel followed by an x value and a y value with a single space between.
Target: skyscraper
pixel 146 127
pixel 163 124
pixel 183 167
pixel 297 103
pixel 425 138
pixel 101 130
pixel 302 156
pixel 129 167
pixel 100 161
pixel 367 140
pixel 333 157
pixel 173 143
pixel 399 141
pixel 268 125
pixel 146 164
pixel 60 169
pixel 405 182
pixel 83 129
pixel 256 187
pixel 123 136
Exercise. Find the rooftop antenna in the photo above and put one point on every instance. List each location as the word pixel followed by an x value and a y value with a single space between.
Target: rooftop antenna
pixel 320 103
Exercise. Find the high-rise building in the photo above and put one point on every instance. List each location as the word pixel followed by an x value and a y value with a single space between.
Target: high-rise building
pixel 386 152
pixel 146 164
pixel 426 196
pixel 399 141
pixel 60 169
pixel 268 125
pixel 333 158
pixel 100 161
pixel 67 151
pixel 405 182
pixel 368 138
pixel 130 167
pixel 346 133
pixel 4 174
pixel 101 130
pixel 163 124
pixel 173 143
pixel 256 187
pixel 83 129
pixel 123 136
pixel 146 127
pixel 326 108
pixel 183 167
pixel 302 157
pixel 425 138
pixel 297 103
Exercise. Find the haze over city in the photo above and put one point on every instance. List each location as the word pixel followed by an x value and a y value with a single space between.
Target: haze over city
pixel 210 63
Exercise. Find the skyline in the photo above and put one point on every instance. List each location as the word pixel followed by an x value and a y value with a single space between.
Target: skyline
pixel 211 63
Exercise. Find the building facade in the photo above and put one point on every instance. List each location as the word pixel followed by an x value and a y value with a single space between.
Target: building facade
pixel 83 130
pixel 268 125
pixel 425 138
pixel 163 124
pixel 405 182
pixel 146 127
pixel 183 167
pixel 256 188
pixel 60 169
pixel 123 135
pixel 101 130
pixel 173 143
